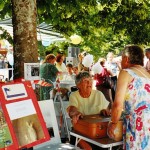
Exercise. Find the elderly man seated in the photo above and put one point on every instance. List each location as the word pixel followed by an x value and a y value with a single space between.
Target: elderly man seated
pixel 86 101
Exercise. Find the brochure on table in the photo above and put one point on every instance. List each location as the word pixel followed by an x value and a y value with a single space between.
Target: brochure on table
pixel 21 121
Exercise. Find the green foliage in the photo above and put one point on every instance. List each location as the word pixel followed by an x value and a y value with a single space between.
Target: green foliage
pixel 5 8
pixel 52 48
pixel 104 25
pixel 134 17
pixel 5 35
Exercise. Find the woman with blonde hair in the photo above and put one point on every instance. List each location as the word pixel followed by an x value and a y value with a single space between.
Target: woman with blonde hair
pixel 60 65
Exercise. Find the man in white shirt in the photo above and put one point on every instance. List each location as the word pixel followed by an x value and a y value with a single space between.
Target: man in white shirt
pixel 114 68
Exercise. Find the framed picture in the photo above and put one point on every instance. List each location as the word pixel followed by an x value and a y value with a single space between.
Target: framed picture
pixel 31 71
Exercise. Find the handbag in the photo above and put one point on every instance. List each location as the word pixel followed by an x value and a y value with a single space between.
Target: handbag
pixel 107 82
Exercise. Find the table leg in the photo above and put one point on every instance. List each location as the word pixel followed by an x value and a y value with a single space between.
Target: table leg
pixel 110 148
pixel 77 141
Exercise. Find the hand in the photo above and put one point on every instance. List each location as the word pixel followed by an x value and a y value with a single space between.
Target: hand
pixel 74 114
pixel 76 117
pixel 59 73
pixel 110 129
pixel 105 112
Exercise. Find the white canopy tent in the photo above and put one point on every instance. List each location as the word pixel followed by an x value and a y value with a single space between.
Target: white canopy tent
pixel 45 34
pixel 44 31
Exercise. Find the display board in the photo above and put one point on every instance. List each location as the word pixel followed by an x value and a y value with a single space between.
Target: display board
pixel 31 71
pixel 21 121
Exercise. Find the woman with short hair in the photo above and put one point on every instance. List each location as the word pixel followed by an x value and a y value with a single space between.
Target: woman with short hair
pixel 86 101
pixel 132 97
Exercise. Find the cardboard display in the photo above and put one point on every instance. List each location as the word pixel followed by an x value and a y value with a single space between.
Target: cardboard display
pixel 21 121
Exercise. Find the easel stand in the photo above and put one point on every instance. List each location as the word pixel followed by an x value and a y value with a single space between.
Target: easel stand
pixel 58 97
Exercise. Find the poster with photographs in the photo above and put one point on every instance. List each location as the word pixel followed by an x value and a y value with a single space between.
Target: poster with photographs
pixel 31 71
pixel 5 135
pixel 21 121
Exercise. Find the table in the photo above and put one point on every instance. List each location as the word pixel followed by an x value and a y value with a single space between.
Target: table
pixel 67 84
pixel 101 142
pixel 61 146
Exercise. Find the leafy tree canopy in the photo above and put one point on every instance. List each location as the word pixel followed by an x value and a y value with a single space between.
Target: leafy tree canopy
pixel 104 25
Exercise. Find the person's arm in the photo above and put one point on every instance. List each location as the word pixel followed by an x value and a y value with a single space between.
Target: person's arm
pixel 54 70
pixel 122 84
pixel 74 114
pixel 117 108
pixel 72 108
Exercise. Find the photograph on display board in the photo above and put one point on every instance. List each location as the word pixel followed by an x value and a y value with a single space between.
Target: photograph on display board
pixel 35 71
pixel 5 136
pixel 27 129
pixel 31 71
pixel 25 121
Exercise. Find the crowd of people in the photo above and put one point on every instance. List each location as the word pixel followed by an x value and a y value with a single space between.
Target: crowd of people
pixel 129 97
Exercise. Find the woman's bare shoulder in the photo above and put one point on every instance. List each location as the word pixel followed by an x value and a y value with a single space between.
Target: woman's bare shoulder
pixel 124 76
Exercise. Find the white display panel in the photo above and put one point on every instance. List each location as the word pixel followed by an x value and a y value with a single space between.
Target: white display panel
pixel 20 109
pixel 31 71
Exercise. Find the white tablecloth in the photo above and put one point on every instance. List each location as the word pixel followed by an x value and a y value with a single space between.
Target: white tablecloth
pixel 67 84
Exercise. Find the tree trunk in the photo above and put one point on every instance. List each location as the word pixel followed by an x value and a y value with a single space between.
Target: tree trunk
pixel 25 35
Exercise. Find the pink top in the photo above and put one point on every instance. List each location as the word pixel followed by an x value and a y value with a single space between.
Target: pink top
pixel 100 77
